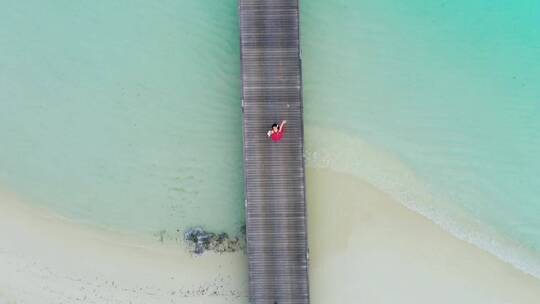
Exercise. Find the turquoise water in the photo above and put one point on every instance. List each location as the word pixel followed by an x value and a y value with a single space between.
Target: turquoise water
pixel 450 89
pixel 126 114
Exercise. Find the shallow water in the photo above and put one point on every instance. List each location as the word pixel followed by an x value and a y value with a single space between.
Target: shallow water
pixel 124 114
pixel 127 114
pixel 450 90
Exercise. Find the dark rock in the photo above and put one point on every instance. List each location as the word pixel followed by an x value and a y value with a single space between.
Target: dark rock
pixel 200 240
pixel 199 248
pixel 222 236
pixel 193 234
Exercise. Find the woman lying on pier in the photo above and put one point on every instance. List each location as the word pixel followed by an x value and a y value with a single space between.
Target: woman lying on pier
pixel 277 132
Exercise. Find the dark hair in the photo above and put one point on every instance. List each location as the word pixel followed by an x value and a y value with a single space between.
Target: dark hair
pixel 275 125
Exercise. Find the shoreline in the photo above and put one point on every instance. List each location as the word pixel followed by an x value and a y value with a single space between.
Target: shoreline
pixel 341 152
pixel 368 247
pixel 47 259
pixel 364 246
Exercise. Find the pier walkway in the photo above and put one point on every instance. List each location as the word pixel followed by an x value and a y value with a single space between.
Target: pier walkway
pixel 273 171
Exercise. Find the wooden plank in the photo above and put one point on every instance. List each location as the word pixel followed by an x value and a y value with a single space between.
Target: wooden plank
pixel 274 172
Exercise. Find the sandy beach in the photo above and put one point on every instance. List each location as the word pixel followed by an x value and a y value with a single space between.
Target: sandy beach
pixel 45 259
pixel 364 248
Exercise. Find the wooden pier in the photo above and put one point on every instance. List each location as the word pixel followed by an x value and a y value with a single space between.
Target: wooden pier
pixel 274 171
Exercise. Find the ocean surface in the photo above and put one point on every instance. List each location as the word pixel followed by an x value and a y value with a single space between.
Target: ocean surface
pixel 126 114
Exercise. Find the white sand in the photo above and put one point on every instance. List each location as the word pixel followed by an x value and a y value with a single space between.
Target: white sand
pixel 365 248
pixel 44 259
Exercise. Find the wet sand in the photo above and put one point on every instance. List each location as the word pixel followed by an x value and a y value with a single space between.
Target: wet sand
pixel 46 259
pixel 364 248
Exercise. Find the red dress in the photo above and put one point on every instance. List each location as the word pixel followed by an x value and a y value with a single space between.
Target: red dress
pixel 277 136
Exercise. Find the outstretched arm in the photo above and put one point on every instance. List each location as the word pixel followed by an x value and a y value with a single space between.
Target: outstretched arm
pixel 282 123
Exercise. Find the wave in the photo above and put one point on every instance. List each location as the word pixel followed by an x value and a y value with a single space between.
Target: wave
pixel 339 151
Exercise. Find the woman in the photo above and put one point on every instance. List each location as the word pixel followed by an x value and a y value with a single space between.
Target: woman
pixel 277 132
